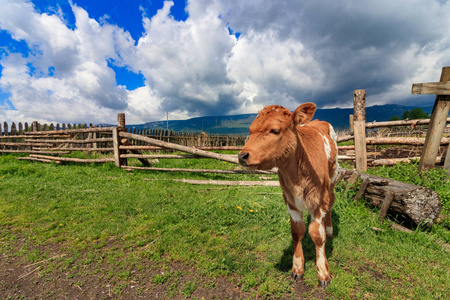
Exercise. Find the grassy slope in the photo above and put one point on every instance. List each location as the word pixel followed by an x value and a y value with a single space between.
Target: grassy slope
pixel 113 224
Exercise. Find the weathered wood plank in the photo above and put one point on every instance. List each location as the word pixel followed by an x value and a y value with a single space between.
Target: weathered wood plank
pixel 431 88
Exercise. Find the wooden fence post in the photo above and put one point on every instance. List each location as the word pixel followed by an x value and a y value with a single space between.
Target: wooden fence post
pixel 34 126
pixel 117 141
pixel 116 144
pixel 438 118
pixel 359 129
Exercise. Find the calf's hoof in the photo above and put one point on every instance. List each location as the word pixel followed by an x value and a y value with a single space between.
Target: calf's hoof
pixel 297 278
pixel 324 284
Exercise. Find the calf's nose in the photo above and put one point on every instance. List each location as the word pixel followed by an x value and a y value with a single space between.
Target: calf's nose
pixel 243 158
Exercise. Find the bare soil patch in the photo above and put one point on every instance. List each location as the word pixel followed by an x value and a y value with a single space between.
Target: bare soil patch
pixel 63 275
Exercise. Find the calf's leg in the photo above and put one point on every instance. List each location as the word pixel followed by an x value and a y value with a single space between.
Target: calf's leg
pixel 298 261
pixel 318 235
pixel 328 224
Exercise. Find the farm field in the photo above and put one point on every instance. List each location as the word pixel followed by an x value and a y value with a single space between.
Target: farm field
pixel 98 232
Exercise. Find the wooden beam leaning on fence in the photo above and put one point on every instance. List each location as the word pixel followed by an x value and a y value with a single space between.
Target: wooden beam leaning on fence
pixel 438 119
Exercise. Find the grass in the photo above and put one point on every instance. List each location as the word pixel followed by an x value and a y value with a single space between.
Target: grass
pixel 140 229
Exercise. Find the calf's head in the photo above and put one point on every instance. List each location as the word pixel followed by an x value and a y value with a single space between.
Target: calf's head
pixel 273 136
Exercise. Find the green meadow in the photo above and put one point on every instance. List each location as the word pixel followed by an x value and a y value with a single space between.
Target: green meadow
pixel 98 232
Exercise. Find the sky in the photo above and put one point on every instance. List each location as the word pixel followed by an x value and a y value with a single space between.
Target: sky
pixel 85 61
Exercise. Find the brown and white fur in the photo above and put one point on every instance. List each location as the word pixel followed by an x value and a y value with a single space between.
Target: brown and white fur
pixel 305 154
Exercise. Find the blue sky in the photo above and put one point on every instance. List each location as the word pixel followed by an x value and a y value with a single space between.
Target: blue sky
pixel 86 61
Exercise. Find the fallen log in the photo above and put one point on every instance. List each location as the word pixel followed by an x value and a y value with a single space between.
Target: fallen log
pixel 131 168
pixel 80 149
pixel 38 159
pixel 419 204
pixel 230 182
pixel 70 159
pixel 34 151
pixel 393 161
pixel 159 156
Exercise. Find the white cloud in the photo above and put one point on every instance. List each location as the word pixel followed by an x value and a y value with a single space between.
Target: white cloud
pixel 82 82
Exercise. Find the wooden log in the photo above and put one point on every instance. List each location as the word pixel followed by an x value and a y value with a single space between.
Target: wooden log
pixel 68 131
pixel 38 159
pixel 402 141
pixel 35 151
pixel 228 158
pixel 78 149
pixel 37 144
pixel 419 204
pixel 86 141
pixel 234 148
pixel 394 161
pixel 345 138
pixel 230 183
pixel 130 168
pixel 359 129
pixel 159 156
pixel 77 160
pixel 21 136
pixel 414 122
pixel 436 128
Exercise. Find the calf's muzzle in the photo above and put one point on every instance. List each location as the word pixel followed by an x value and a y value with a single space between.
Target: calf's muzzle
pixel 243 156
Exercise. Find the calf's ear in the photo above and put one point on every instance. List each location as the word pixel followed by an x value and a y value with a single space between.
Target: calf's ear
pixel 304 113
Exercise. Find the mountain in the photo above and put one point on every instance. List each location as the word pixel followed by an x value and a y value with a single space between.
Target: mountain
pixel 239 124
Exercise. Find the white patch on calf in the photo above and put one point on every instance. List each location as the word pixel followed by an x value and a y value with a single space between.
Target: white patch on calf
pixel 329 230
pixel 295 214
pixel 321 265
pixel 334 139
pixel 300 203
pixel 327 146
pixel 321 227
pixel 297 262
pixel 333 134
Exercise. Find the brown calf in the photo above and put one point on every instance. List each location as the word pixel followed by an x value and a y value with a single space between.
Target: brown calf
pixel 305 154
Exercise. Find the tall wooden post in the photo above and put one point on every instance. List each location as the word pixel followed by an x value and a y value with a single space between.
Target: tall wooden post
pixel 438 118
pixel 359 129
pixel 117 141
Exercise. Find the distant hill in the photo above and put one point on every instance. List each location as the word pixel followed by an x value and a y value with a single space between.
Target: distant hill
pixel 239 124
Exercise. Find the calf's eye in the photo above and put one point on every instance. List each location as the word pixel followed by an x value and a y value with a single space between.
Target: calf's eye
pixel 275 131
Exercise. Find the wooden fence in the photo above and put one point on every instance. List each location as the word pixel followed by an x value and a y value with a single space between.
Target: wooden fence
pixel 360 130
pixel 61 139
